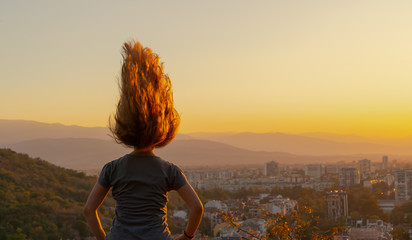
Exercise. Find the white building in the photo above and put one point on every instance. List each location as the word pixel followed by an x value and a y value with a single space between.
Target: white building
pixel 180 214
pixel 332 169
pixel 280 205
pixel 364 167
pixel 313 170
pixel 374 229
pixel 212 211
pixel 403 184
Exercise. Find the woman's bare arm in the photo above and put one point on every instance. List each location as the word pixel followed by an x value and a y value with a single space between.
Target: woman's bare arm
pixel 196 209
pixel 94 201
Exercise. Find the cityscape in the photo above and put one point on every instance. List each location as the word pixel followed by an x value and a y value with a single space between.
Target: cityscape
pixel 329 180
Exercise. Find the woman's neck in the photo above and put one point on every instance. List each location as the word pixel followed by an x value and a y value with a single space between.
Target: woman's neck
pixel 145 152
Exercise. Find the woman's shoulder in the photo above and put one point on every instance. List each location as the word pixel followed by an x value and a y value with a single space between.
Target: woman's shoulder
pixel 165 162
pixel 116 162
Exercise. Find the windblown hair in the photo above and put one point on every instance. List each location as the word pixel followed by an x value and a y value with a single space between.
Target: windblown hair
pixel 145 115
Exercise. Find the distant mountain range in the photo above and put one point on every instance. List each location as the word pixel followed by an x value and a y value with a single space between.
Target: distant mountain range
pixel 312 144
pixel 86 153
pixel 87 148
pixel 13 131
pixel 74 153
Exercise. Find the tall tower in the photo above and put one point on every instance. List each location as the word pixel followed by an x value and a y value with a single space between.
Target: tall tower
pixel 385 162
pixel 271 169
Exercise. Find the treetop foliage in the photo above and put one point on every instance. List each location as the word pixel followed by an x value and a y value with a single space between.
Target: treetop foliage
pixel 39 200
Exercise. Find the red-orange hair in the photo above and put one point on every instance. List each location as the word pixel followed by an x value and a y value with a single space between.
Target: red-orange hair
pixel 145 115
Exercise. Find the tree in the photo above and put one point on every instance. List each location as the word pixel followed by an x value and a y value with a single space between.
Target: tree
pixel 17 236
pixel 298 225
pixel 361 200
pixel 398 216
pixel 381 189
pixel 399 233
pixel 41 201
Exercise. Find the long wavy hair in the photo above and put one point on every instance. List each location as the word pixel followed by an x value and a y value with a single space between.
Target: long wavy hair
pixel 145 115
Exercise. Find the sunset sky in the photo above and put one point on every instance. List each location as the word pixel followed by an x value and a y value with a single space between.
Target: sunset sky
pixel 259 66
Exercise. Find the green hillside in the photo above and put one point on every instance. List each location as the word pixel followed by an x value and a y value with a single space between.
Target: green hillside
pixel 39 200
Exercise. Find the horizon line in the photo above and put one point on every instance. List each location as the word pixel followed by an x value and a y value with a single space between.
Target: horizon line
pixel 228 132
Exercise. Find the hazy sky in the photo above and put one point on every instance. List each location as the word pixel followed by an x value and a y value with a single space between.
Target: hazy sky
pixel 259 66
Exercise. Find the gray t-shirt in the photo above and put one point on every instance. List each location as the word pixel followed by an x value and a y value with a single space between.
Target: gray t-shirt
pixel 140 185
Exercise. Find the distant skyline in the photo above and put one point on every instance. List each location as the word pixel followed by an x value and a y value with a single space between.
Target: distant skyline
pixel 236 66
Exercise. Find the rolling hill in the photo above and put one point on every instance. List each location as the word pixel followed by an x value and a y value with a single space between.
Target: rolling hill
pixel 92 154
pixel 42 201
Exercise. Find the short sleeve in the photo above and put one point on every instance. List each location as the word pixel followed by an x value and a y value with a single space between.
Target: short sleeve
pixel 105 176
pixel 177 178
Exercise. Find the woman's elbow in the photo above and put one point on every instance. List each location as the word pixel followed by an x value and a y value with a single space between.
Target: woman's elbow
pixel 88 211
pixel 198 208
